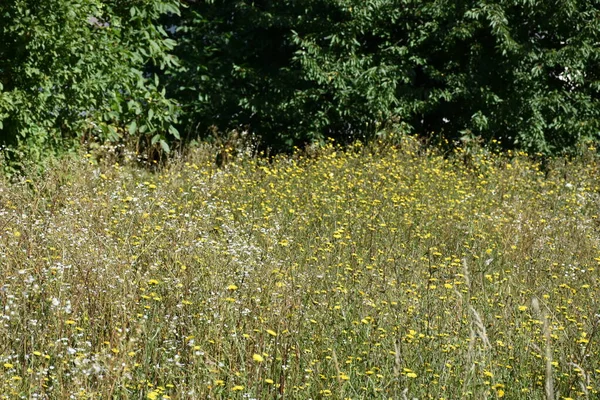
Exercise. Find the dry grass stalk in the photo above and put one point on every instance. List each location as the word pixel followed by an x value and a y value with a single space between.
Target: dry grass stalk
pixel 549 385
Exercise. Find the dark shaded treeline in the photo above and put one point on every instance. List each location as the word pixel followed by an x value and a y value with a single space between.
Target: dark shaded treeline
pixel 525 73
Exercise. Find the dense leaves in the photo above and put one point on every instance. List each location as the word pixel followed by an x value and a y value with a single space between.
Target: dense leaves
pixel 81 70
pixel 523 72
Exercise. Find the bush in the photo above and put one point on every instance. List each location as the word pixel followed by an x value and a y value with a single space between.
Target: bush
pixel 83 70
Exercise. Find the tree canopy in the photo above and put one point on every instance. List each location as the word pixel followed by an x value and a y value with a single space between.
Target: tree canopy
pixel 522 72
pixel 78 69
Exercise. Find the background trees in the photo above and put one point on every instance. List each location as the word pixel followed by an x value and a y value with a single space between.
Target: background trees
pixel 82 69
pixel 523 72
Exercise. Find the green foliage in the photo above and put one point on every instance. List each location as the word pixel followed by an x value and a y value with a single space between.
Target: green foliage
pixel 253 65
pixel 522 72
pixel 83 70
pixel 239 70
pixel 526 72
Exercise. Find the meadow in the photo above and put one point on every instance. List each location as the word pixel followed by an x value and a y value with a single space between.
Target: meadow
pixel 365 272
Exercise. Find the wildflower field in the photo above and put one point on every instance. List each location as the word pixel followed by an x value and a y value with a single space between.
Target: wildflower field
pixel 356 273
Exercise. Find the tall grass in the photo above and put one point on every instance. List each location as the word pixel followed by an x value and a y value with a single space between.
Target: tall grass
pixel 354 273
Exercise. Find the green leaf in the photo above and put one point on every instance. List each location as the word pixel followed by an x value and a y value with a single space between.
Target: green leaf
pixel 174 132
pixel 165 146
pixel 132 128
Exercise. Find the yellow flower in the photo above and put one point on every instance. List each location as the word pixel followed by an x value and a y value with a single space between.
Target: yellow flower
pixel 411 375
pixel 271 332
pixel 237 388
pixel 258 358
pixel 269 381
pixel 232 287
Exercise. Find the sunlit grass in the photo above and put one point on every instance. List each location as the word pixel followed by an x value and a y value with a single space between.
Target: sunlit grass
pixel 356 273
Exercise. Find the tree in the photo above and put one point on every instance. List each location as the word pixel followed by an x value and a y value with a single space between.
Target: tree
pixel 81 69
pixel 522 72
